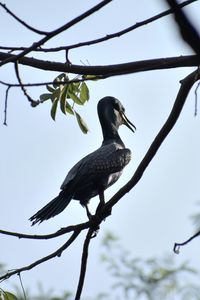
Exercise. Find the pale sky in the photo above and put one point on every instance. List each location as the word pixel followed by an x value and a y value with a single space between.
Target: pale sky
pixel 37 153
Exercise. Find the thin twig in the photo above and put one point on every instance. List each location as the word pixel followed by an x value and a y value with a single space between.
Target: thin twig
pixel 58 253
pixel 21 21
pixel 56 32
pixel 36 84
pixel 105 38
pixel 64 230
pixel 22 286
pixel 196 99
pixel 6 106
pixel 83 264
pixel 177 246
pixel 33 102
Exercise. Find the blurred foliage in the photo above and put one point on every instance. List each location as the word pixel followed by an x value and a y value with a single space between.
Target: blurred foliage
pixel 66 95
pixel 149 279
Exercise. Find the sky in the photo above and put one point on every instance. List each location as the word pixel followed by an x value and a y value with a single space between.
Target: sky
pixel 37 153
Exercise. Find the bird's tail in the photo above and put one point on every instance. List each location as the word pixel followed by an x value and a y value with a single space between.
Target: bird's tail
pixel 53 208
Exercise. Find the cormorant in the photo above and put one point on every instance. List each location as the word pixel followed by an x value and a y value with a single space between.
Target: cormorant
pixel 97 171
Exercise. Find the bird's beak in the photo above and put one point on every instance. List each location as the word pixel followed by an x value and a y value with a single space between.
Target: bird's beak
pixel 127 122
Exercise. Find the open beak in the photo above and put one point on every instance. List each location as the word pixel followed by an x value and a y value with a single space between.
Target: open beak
pixel 127 122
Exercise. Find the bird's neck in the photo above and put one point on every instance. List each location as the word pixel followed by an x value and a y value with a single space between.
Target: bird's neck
pixel 110 134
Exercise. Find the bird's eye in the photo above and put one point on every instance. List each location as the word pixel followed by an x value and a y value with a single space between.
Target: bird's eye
pixel 117 106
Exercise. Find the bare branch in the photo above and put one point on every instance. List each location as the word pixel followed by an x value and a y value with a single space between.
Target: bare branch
pixel 22 286
pixel 22 22
pixel 188 32
pixel 108 70
pixel 56 32
pixel 196 99
pixel 83 264
pixel 33 102
pixel 105 38
pixel 58 253
pixel 81 226
pixel 126 30
pixel 186 85
pixel 177 246
pixel 6 106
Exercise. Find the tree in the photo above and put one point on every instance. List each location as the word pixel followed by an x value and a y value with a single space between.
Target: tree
pixel 87 73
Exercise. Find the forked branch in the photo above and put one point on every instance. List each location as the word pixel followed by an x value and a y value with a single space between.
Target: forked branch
pixel 58 253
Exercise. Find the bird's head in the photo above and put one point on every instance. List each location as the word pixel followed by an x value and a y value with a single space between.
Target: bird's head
pixel 111 115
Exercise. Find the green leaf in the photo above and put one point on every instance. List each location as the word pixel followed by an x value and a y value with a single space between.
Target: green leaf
pixel 45 97
pixel 8 296
pixel 56 94
pixel 74 97
pixel 50 88
pixel 74 86
pixel 61 76
pixel 69 109
pixel 81 123
pixel 91 77
pixel 84 93
pixel 54 108
pixel 55 83
pixel 63 99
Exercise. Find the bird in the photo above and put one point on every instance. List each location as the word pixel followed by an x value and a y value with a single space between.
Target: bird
pixel 97 171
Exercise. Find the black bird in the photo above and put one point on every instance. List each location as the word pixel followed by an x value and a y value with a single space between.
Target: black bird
pixel 97 171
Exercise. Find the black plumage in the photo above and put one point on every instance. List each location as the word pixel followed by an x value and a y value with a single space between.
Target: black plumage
pixel 97 171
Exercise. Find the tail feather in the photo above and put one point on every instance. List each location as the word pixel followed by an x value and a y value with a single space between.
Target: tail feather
pixel 53 208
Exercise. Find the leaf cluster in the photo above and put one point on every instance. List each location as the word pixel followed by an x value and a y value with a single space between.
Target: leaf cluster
pixel 66 94
pixel 151 279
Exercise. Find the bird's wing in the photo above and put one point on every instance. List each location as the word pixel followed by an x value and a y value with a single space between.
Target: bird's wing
pixel 72 174
pixel 109 159
pixel 106 160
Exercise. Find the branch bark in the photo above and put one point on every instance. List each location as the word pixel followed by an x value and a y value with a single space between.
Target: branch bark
pixel 81 226
pixel 83 264
pixel 108 70
pixel 187 30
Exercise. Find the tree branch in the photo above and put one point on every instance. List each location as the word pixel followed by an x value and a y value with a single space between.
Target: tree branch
pixel 56 32
pixel 188 32
pixel 108 70
pixel 81 226
pixel 177 246
pixel 33 102
pixel 105 38
pixel 6 105
pixel 22 22
pixel 83 264
pixel 58 253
